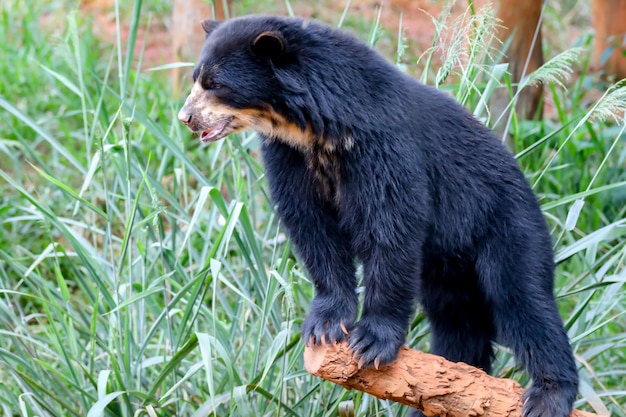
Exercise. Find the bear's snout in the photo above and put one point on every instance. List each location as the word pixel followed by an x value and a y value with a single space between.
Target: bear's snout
pixel 185 116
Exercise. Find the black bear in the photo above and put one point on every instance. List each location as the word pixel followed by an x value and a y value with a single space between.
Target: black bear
pixel 366 164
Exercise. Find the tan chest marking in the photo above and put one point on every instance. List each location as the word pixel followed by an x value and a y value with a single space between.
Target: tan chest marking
pixel 273 125
pixel 325 164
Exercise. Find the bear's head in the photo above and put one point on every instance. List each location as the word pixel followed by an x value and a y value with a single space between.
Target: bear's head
pixel 236 86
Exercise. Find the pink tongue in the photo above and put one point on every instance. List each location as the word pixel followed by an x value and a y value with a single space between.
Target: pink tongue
pixel 213 132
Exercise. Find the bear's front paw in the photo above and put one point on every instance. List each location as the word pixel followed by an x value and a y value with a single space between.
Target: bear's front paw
pixel 328 321
pixel 376 340
pixel 549 399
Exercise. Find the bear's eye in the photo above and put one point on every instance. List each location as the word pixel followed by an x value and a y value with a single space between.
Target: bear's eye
pixel 211 85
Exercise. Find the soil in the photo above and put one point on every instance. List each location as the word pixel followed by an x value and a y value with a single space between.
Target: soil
pixel 416 15
pixel 154 31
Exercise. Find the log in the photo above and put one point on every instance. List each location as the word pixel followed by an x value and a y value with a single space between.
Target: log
pixel 424 381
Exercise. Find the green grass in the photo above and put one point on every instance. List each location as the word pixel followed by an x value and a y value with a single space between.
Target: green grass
pixel 144 274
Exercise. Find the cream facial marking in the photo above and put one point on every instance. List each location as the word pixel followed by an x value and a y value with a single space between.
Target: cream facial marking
pixel 203 112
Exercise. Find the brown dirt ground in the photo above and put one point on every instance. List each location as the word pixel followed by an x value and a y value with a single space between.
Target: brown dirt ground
pixel 416 21
pixel 416 17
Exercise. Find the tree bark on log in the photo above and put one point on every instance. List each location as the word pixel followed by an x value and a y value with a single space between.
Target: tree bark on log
pixel 424 381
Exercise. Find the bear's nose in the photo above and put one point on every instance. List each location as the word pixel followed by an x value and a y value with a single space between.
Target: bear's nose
pixel 184 116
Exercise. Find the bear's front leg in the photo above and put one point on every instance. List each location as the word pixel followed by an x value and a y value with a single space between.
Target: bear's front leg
pixel 391 284
pixel 331 265
pixel 330 319
pixel 312 223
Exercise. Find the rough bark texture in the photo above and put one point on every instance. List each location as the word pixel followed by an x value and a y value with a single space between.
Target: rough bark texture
pixel 519 21
pixel 609 21
pixel 428 382
pixel 188 36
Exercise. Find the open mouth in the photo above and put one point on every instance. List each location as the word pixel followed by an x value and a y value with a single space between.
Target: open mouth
pixel 216 131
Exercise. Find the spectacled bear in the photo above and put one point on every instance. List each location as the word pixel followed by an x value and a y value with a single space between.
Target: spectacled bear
pixel 367 165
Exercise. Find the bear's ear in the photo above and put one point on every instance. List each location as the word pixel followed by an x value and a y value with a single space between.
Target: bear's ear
pixel 209 25
pixel 269 45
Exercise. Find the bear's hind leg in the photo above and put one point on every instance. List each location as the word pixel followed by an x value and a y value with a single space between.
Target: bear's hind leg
pixel 518 283
pixel 461 322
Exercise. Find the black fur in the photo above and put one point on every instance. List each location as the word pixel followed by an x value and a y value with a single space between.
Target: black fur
pixel 401 178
